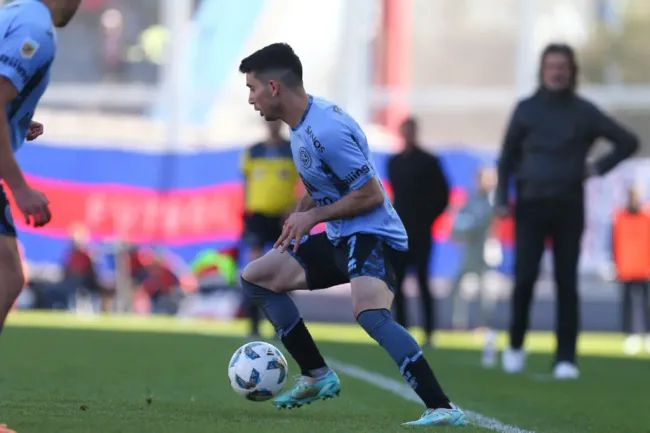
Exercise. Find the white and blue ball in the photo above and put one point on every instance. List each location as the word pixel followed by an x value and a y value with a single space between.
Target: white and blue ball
pixel 257 371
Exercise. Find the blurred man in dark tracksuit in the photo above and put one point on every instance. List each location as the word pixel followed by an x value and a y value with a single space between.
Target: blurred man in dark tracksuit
pixel 545 152
pixel 421 194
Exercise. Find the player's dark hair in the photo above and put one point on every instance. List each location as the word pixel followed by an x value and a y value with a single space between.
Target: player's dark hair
pixel 569 53
pixel 277 61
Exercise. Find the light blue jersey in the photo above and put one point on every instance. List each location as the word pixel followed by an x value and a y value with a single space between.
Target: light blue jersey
pixel 27 50
pixel 332 155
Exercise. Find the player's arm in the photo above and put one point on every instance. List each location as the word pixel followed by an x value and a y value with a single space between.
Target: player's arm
pixel 25 54
pixel 366 198
pixel 22 55
pixel 305 203
pixel 346 160
pixel 9 169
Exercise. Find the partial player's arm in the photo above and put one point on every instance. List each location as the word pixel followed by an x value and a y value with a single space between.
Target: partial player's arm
pixel 358 201
pixel 9 169
pixel 305 203
pixel 23 54
pixel 345 158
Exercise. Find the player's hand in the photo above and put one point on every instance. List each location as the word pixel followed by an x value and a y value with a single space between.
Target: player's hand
pixel 34 131
pixel 33 204
pixel 295 227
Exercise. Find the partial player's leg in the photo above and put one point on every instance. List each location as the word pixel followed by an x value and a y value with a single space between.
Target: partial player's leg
pixel 267 282
pixel 11 270
pixel 373 278
pixel 254 242
pixel 399 305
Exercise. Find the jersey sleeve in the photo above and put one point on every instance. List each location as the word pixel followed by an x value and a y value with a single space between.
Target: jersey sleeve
pixel 343 155
pixel 24 53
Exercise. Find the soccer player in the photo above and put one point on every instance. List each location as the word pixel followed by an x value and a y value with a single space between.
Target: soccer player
pixel 363 236
pixel 27 50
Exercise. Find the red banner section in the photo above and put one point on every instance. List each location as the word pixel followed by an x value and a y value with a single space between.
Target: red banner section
pixel 177 217
pixel 144 215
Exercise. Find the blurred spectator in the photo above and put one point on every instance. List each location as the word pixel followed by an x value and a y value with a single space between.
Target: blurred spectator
pixel 472 228
pixel 631 256
pixel 79 275
pixel 421 194
pixel 112 29
pixel 269 183
pixel 545 149
pixel 162 286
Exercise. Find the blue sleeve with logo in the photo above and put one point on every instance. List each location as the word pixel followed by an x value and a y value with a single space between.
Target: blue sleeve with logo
pixel 26 50
pixel 344 156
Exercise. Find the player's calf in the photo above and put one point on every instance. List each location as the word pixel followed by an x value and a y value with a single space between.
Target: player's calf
pixel 11 275
pixel 371 300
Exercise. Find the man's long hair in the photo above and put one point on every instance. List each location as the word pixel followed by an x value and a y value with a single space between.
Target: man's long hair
pixel 567 51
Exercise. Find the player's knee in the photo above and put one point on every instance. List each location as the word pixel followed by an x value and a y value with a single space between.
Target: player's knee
pixel 277 272
pixel 370 293
pixel 259 274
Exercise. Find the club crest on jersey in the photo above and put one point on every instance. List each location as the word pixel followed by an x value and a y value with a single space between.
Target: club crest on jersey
pixel 305 157
pixel 28 48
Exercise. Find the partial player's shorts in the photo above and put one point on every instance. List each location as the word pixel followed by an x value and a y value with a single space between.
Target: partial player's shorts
pixel 7 227
pixel 260 229
pixel 358 255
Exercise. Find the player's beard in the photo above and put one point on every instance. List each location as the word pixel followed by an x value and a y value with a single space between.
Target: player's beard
pixel 270 118
pixel 272 114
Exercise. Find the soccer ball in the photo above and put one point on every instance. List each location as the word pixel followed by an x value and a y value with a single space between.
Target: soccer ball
pixel 257 371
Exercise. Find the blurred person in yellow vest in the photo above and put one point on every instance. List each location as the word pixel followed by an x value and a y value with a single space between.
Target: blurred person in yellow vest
pixel 631 257
pixel 270 179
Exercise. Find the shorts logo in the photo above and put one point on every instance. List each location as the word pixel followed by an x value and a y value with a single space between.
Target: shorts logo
pixel 305 157
pixel 303 239
pixel 28 48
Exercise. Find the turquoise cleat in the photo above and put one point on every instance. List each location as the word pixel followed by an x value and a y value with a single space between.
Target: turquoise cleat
pixel 443 417
pixel 308 389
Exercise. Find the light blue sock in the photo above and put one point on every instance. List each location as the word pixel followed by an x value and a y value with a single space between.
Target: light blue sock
pixel 397 341
pixel 278 307
pixel 407 354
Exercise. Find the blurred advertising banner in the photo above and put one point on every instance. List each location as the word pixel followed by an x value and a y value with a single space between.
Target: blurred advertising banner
pixel 188 202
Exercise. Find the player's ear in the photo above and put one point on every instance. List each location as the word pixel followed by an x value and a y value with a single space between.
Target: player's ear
pixel 274 87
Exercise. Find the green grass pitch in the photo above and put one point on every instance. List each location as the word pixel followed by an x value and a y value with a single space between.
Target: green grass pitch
pixel 63 373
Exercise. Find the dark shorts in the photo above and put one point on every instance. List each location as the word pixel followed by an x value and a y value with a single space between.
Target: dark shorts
pixel 7 227
pixel 359 255
pixel 260 229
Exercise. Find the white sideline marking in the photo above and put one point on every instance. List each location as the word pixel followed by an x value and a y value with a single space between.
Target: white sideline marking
pixel 403 390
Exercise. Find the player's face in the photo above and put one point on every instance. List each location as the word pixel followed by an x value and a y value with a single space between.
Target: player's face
pixel 264 97
pixel 556 71
pixel 67 10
